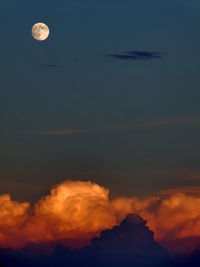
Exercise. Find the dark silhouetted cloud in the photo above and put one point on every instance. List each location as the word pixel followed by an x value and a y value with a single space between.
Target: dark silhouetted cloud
pixel 136 55
pixel 129 244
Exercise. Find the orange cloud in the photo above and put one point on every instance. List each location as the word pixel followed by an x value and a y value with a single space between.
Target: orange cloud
pixel 13 215
pixel 75 212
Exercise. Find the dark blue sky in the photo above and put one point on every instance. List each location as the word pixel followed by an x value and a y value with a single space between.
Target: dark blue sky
pixel 76 107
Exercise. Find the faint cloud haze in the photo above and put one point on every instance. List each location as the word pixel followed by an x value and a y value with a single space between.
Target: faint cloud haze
pixel 60 132
pixel 129 126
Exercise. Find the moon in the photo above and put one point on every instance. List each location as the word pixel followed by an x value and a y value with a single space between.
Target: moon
pixel 40 31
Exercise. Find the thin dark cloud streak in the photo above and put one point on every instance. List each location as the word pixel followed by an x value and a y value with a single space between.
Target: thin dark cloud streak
pixel 49 66
pixel 136 55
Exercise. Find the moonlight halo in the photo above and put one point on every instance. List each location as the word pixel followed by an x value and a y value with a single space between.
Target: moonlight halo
pixel 40 31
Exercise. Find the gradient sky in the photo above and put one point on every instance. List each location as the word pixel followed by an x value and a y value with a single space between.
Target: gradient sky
pixel 76 107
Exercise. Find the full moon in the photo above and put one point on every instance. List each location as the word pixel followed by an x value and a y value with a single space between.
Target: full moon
pixel 40 31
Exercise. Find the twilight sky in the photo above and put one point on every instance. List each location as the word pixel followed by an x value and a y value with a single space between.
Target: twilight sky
pixel 112 95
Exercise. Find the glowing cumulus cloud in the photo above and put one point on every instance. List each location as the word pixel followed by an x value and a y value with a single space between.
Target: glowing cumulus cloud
pixel 75 212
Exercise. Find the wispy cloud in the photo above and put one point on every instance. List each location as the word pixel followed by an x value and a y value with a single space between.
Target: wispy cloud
pixel 158 122
pixel 60 132
pixel 136 55
pixel 128 126
pixel 189 190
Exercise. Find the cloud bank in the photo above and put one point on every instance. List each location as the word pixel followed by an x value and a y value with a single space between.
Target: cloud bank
pixel 75 212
